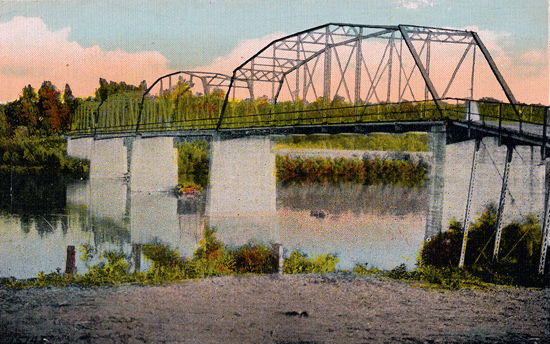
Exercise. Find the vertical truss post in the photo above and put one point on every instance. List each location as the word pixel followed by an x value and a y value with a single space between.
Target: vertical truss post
pixel 250 82
pixel 297 92
pixel 469 202
pixel 390 67
pixel 328 57
pixel 399 98
pixel 358 63
pixel 273 69
pixel 428 54
pixel 502 201
pixel 473 69
pixel 421 68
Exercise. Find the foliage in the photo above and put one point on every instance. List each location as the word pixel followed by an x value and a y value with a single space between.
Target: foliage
pixel 211 258
pixel 193 164
pixel 518 257
pixel 253 259
pixel 342 170
pixel 166 264
pixel 299 263
pixel 179 108
pixel 42 112
pixel 408 142
pixel 112 270
pixel 444 249
pixel 107 89
pixel 25 154
pixel 491 110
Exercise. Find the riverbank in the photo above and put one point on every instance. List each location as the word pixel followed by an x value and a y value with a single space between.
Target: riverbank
pixel 274 309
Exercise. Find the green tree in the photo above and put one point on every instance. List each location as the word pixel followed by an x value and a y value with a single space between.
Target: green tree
pixel 24 111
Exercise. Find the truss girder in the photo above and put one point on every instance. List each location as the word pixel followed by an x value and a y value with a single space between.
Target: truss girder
pixel 330 59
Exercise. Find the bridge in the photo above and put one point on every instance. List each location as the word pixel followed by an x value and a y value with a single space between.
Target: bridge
pixel 330 79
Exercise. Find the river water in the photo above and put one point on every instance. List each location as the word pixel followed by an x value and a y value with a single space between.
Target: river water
pixel 380 225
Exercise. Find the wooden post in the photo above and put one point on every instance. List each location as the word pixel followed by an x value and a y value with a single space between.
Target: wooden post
pixel 277 254
pixel 70 261
pixel 136 256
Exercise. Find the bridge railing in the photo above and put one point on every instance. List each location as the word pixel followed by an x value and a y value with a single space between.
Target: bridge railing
pixel 119 113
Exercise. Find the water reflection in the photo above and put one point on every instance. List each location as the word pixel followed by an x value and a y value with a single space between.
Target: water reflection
pixel 380 225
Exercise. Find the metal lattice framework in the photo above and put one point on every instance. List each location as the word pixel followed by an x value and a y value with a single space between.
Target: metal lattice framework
pixel 209 81
pixel 370 64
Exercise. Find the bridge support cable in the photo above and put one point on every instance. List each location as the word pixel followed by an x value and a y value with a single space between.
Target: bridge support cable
pixel 502 201
pixel 466 223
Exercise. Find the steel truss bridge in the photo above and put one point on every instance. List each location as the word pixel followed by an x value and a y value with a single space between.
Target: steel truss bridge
pixel 337 78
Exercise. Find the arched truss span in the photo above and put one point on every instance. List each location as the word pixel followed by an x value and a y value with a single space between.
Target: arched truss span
pixel 372 64
pixel 209 81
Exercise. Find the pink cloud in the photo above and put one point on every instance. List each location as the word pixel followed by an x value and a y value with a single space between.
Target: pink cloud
pixel 31 53
pixel 245 50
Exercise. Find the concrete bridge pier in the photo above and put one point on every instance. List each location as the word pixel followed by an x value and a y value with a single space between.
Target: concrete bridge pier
pixel 436 180
pixel 242 191
pixel 108 159
pixel 80 148
pixel 153 164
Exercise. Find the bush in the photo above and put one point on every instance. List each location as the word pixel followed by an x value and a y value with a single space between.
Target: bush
pixel 444 248
pixel 299 263
pixel 211 258
pixel 518 257
pixel 253 259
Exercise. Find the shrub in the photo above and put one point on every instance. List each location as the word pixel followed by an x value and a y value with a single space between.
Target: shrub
pixel 518 257
pixel 299 263
pixel 211 258
pixel 444 248
pixel 253 259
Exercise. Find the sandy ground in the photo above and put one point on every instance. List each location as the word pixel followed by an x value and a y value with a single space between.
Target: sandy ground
pixel 274 309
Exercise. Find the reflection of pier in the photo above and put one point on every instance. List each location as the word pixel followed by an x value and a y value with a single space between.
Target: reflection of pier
pixel 114 215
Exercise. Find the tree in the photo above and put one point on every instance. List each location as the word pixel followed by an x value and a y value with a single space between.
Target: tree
pixel 23 111
pixel 54 114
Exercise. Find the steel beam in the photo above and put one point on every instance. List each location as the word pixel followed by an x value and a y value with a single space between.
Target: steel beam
pixel 502 201
pixel 420 66
pixel 466 223
pixel 496 73
pixel 544 259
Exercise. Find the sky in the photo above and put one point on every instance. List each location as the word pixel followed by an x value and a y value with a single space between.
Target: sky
pixel 77 42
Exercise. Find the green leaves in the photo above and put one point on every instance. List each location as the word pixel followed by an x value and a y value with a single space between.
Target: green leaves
pixel 342 170
pixel 299 263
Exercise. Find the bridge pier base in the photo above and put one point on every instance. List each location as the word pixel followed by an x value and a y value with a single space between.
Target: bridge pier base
pixel 436 181
pixel 243 186
pixel 154 164
pixel 242 176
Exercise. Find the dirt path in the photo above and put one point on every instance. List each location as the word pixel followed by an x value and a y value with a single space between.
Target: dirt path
pixel 274 309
